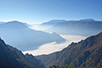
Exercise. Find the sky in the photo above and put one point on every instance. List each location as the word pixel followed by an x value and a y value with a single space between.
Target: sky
pixel 39 11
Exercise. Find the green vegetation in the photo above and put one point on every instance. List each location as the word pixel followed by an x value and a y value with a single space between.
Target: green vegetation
pixel 72 66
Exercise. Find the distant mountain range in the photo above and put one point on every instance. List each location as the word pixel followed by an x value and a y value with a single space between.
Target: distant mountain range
pixel 22 37
pixel 13 58
pixel 87 52
pixel 84 27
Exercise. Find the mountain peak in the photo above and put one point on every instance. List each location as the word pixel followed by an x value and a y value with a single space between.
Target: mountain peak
pixel 89 20
pixel 15 24
pixel 57 21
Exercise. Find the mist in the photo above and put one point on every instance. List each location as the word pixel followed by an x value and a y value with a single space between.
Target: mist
pixel 19 35
pixel 53 46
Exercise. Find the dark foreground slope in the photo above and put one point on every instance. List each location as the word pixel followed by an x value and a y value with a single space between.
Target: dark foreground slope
pixel 84 53
pixel 12 58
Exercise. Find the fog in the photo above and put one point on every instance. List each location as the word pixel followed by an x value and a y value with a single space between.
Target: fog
pixel 53 47
pixel 18 35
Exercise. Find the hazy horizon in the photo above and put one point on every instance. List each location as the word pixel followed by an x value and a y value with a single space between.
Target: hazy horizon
pixel 38 11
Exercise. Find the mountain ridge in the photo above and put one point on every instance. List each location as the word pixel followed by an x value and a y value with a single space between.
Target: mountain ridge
pixel 83 27
pixel 13 58
pixel 26 38
pixel 87 52
pixel 89 20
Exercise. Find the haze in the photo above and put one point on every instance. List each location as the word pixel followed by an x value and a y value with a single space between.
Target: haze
pixel 39 11
pixel 36 12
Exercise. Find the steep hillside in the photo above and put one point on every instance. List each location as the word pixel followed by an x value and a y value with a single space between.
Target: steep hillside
pixel 12 58
pixel 22 37
pixel 85 27
pixel 84 53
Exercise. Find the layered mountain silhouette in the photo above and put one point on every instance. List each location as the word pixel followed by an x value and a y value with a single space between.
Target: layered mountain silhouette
pixel 13 58
pixel 2 22
pixel 87 52
pixel 22 37
pixel 84 27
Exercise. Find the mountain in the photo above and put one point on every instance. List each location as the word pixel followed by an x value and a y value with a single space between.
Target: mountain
pixel 2 22
pixel 47 25
pixel 13 58
pixel 84 27
pixel 22 37
pixel 87 52
pixel 52 22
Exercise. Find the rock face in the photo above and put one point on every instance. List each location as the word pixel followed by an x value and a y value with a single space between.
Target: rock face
pixel 13 58
pixel 84 53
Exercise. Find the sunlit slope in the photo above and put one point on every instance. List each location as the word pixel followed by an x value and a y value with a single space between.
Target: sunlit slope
pixel 84 53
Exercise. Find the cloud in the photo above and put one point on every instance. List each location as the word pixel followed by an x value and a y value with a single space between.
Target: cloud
pixel 53 47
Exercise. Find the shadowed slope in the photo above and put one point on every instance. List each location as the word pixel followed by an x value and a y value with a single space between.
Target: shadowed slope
pixel 12 58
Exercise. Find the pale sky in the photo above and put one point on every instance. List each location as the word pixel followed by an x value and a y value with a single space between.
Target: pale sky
pixel 38 11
